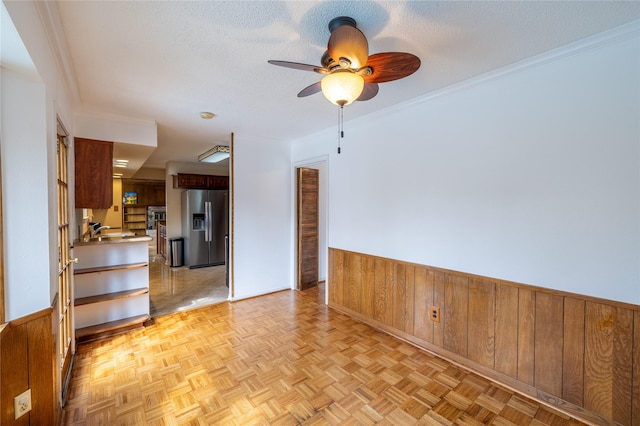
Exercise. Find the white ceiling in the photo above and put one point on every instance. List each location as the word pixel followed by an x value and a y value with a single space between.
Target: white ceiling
pixel 169 60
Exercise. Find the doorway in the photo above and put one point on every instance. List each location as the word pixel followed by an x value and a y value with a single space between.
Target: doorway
pixel 320 167
pixel 178 288
pixel 307 208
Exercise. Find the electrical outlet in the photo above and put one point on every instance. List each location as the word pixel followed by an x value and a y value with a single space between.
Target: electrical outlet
pixel 22 403
pixel 434 313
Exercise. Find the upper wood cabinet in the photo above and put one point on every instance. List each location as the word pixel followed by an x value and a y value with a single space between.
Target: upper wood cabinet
pixel 191 181
pixel 94 173
pixel 149 192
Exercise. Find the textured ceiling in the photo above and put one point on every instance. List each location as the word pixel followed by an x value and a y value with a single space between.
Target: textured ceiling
pixel 169 60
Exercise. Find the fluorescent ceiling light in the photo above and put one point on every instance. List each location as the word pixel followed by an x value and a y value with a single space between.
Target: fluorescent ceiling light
pixel 215 154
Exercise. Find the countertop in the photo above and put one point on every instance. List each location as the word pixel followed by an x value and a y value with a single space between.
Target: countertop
pixel 113 240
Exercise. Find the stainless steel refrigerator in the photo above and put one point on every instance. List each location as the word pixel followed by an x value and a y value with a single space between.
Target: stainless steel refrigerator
pixel 205 223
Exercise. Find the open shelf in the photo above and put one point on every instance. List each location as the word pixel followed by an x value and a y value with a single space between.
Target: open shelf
pixel 111 296
pixel 109 327
pixel 112 288
pixel 110 268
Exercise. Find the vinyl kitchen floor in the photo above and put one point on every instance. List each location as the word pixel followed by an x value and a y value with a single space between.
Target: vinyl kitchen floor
pixel 179 289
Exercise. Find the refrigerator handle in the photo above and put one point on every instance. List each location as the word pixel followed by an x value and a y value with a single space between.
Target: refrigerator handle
pixel 207 221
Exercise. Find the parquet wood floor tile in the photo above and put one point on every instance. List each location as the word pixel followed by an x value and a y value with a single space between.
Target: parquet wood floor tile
pixel 280 359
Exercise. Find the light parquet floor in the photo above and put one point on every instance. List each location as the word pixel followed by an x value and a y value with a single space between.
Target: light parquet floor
pixel 281 359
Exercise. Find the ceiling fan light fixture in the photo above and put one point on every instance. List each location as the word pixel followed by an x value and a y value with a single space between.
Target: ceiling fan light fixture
pixel 215 154
pixel 342 87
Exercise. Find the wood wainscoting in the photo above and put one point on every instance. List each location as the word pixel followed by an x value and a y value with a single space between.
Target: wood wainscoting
pixel 577 353
pixel 27 358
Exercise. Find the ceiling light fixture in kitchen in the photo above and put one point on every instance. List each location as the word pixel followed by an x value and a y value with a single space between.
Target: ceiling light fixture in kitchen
pixel 206 115
pixel 120 163
pixel 215 154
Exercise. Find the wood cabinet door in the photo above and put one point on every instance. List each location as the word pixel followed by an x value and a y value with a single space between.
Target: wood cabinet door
pixel 193 181
pixel 217 182
pixel 93 173
pixel 150 192
pixel 307 229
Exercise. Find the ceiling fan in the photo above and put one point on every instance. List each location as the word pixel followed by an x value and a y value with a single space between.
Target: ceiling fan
pixel 350 73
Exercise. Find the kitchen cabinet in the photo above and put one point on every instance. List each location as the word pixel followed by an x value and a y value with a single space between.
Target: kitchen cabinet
pixel 193 181
pixel 150 192
pixel 93 173
pixel 111 285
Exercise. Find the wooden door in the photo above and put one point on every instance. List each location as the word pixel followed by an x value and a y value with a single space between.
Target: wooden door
pixel 307 227
pixel 65 275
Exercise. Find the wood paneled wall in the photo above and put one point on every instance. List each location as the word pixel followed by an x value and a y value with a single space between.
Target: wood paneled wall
pixel 579 353
pixel 27 362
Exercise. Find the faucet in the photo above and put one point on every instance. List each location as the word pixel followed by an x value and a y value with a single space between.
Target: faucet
pixel 95 232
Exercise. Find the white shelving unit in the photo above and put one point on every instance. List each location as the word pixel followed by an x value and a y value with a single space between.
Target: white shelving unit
pixel 111 285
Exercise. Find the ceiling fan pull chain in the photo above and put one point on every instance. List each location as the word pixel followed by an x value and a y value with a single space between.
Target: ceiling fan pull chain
pixel 340 127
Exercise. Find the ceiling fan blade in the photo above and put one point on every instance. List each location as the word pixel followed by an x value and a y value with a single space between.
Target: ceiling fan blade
pixel 390 66
pixel 369 91
pixel 310 90
pixel 298 66
pixel 349 42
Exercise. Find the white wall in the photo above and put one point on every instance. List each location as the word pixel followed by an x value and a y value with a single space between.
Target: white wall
pixel 32 102
pixel 116 129
pixel 262 255
pixel 25 199
pixel 532 176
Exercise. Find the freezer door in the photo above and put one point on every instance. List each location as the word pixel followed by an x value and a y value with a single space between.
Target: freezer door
pixel 219 213
pixel 196 219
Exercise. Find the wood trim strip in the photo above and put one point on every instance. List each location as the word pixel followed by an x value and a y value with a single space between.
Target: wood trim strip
pixel 635 409
pixel 231 269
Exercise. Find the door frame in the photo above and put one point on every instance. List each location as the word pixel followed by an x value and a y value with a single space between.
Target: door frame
pixel 322 164
pixel 1 252
pixel 63 372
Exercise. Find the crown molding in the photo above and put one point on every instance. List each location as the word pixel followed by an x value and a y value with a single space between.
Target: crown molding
pixel 48 12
